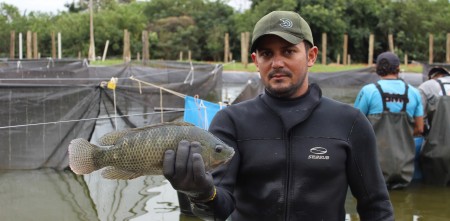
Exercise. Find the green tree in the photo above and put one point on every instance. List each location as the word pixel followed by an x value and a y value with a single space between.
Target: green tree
pixel 216 20
pixel 175 34
pixel 111 23
pixel 74 29
pixel 9 17
pixel 329 21
pixel 203 35
pixel 416 19
pixel 364 17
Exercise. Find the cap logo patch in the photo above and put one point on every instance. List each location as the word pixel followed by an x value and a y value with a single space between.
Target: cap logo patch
pixel 286 23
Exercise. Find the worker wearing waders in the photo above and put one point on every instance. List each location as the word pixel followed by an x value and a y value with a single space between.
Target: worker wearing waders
pixel 395 110
pixel 435 154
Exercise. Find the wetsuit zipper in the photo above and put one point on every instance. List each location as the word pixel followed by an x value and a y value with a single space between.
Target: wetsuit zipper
pixel 288 174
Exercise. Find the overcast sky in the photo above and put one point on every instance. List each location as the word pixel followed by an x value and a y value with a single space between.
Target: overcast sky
pixel 58 5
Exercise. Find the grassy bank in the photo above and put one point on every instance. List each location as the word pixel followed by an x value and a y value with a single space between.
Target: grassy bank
pixel 237 66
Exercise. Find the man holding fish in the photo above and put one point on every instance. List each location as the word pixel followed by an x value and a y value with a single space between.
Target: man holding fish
pixel 296 153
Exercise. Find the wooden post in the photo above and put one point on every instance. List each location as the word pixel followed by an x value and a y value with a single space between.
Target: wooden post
pixel 338 59
pixel 371 46
pixel 430 48
pixel 29 46
pixel 244 59
pixel 227 48
pixel 59 46
pixel 145 47
pixel 12 45
pixel 106 50
pixel 35 46
pixel 349 59
pixel 391 43
pixel 244 48
pixel 53 45
pixel 181 55
pixel 189 55
pixel 344 56
pixel 20 46
pixel 129 45
pixel 138 56
pixel 126 46
pixel 447 60
pixel 324 48
pixel 406 60
pixel 247 46
pixel 91 55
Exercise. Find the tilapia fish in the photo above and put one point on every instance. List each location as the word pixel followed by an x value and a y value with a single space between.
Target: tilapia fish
pixel 136 152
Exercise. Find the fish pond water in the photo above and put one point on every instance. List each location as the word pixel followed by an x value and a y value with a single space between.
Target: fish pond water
pixel 61 195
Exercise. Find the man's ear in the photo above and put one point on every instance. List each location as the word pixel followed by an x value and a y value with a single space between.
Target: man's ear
pixel 312 55
pixel 255 59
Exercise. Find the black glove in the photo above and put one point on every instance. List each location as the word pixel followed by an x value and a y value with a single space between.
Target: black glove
pixel 185 170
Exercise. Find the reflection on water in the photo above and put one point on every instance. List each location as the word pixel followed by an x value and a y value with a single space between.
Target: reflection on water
pixel 44 195
pixel 121 199
pixel 418 202
pixel 425 202
pixel 60 195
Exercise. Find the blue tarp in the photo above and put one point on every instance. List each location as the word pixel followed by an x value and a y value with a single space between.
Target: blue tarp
pixel 200 112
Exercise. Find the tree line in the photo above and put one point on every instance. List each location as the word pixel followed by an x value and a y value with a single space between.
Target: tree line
pixel 199 26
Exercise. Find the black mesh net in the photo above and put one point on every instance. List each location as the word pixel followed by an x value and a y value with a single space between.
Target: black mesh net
pixel 47 103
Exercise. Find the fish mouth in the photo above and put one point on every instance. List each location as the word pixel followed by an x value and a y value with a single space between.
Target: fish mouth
pixel 225 161
pixel 229 158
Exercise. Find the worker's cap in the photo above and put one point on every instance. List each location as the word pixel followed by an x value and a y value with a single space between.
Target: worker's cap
pixel 285 24
pixel 387 63
pixel 437 70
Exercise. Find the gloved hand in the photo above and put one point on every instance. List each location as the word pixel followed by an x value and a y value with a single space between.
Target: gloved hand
pixel 185 170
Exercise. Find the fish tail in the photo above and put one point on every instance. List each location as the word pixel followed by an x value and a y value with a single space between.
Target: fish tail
pixel 81 156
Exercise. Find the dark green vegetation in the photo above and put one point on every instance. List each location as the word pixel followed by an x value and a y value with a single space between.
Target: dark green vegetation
pixel 200 26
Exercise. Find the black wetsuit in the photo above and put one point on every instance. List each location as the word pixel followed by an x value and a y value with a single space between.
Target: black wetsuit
pixel 295 160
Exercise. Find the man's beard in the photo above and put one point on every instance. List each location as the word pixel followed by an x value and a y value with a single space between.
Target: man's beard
pixel 285 92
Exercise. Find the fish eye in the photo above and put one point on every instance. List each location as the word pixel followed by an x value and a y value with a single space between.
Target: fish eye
pixel 218 148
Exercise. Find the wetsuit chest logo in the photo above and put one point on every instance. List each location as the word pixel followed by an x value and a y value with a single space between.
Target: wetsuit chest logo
pixel 318 153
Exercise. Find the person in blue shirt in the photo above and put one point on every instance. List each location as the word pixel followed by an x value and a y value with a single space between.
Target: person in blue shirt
pixel 395 110
pixel 369 99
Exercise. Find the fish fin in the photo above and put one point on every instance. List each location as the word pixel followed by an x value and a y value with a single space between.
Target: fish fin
pixel 114 173
pixel 175 123
pixel 81 156
pixel 111 138
pixel 180 123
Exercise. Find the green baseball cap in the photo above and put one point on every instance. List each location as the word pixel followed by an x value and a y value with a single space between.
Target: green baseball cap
pixel 285 24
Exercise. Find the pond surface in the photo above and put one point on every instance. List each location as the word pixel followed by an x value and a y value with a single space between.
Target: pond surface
pixel 61 195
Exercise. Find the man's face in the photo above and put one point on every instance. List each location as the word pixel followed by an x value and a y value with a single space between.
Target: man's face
pixel 283 66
